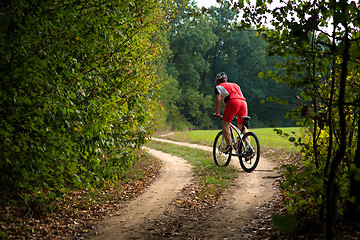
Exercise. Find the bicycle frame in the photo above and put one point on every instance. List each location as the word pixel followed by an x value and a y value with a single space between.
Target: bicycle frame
pixel 235 144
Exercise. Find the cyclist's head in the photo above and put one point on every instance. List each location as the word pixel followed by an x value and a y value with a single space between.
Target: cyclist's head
pixel 220 78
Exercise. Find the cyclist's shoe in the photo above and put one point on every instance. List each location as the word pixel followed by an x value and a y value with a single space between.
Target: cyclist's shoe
pixel 227 149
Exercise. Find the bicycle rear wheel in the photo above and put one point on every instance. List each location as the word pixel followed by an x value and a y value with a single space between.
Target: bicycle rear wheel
pixel 250 156
pixel 220 158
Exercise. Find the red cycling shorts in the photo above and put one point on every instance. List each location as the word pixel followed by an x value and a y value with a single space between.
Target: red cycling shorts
pixel 235 107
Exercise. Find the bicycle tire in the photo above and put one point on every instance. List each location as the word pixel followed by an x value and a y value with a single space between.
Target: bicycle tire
pixel 221 159
pixel 250 160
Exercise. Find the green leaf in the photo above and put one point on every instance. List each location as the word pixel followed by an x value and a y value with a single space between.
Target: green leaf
pixel 261 75
pixel 72 95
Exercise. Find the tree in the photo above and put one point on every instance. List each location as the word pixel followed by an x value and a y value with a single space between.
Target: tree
pixel 203 43
pixel 319 62
pixel 242 55
pixel 190 38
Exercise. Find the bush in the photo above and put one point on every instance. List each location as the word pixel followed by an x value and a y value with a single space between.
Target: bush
pixel 77 90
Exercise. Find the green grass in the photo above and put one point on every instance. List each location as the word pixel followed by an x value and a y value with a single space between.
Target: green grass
pixel 267 136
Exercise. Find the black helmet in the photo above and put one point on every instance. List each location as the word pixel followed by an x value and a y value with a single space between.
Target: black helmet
pixel 220 77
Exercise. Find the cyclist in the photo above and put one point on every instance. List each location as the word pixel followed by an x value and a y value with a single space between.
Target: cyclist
pixel 235 104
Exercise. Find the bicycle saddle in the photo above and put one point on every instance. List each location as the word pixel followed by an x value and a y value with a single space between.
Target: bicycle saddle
pixel 246 122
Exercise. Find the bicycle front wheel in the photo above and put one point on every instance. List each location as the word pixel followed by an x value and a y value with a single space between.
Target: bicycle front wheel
pixel 250 152
pixel 221 159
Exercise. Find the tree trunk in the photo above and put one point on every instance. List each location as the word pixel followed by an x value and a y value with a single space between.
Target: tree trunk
pixel 330 115
pixel 352 211
pixel 331 195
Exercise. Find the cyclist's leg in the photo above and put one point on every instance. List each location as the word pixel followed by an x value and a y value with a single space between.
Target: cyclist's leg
pixel 242 112
pixel 226 131
pixel 231 108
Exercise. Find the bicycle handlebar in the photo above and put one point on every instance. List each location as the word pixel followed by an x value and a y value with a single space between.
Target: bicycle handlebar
pixel 217 116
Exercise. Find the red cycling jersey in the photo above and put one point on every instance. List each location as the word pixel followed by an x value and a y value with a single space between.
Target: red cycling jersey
pixel 229 91
pixel 235 102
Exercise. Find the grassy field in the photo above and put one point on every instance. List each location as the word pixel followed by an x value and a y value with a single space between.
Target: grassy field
pixel 267 136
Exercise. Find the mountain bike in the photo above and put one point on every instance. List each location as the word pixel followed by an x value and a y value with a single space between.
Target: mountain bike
pixel 244 146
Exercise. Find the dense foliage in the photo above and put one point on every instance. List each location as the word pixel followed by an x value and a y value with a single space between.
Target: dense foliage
pixel 202 44
pixel 78 84
pixel 320 42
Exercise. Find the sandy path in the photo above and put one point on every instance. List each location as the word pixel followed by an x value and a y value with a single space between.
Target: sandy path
pixel 241 201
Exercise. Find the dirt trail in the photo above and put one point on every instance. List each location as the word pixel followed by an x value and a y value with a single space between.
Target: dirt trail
pixel 251 191
pixel 140 219
pixel 175 175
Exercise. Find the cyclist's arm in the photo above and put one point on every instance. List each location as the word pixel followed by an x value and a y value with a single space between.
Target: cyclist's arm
pixel 217 104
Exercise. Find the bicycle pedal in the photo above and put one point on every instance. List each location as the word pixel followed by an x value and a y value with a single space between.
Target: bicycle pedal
pixel 227 149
